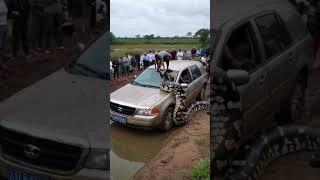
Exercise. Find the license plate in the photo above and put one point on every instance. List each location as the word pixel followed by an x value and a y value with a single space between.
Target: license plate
pixel 19 175
pixel 119 119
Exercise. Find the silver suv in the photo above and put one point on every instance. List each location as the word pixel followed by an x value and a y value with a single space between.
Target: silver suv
pixel 142 104
pixel 266 49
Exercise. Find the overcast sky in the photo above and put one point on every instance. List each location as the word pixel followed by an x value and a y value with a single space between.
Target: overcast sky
pixel 158 17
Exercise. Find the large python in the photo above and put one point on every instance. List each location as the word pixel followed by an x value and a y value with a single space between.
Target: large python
pixel 181 111
pixel 233 159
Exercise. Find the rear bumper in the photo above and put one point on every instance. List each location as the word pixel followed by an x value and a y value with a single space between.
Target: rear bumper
pixel 83 174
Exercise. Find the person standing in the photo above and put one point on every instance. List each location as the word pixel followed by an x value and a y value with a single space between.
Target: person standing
pixel 78 13
pixel 40 24
pixel 137 58
pixel 3 26
pixel 145 61
pixel 124 66
pixel 174 54
pixel 56 11
pixel 19 12
pixel 115 65
pixel 193 53
pixel 180 54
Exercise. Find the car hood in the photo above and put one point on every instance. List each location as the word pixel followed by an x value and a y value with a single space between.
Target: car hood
pixel 63 107
pixel 137 96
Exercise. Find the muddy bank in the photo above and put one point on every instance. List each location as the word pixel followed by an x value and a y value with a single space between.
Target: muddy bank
pixel 183 149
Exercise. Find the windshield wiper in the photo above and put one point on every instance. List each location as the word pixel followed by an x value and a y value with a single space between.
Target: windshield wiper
pixel 136 83
pixel 88 69
pixel 151 86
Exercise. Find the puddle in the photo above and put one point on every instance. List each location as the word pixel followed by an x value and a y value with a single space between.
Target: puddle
pixel 131 149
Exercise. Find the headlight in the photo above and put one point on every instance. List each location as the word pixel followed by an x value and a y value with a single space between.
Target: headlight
pixel 98 159
pixel 147 112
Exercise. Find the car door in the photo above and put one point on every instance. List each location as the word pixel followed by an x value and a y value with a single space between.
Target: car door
pixel 280 57
pixel 189 90
pixel 254 94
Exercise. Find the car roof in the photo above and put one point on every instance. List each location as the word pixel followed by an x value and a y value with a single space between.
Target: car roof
pixel 227 10
pixel 178 65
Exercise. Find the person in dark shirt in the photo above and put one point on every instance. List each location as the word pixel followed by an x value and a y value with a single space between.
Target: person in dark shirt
pixel 19 11
pixel 166 59
pixel 115 64
pixel 174 54
pixel 137 58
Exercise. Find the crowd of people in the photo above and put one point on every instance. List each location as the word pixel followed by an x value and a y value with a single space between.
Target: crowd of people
pixel 37 25
pixel 131 64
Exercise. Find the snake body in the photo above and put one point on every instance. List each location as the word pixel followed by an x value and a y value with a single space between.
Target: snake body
pixel 233 159
pixel 182 112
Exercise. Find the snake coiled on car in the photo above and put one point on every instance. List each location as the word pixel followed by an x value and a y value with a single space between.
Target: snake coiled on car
pixel 181 111
pixel 236 160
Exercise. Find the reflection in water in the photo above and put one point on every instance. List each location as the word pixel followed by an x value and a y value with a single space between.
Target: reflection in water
pixel 131 148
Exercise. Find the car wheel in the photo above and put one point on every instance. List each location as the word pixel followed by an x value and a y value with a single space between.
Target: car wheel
pixel 295 109
pixel 167 121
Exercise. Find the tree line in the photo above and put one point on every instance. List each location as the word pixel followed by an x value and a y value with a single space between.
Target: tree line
pixel 202 35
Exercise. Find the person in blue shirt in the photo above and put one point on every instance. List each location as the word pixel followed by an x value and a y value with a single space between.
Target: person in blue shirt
pixel 145 59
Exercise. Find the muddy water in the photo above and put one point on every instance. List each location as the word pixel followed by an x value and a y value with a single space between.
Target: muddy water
pixel 131 149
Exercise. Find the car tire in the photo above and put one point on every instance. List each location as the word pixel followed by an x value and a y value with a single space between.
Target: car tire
pixel 167 121
pixel 296 106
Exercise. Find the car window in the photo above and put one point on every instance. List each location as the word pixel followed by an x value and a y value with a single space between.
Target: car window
pixel 241 50
pixel 195 71
pixel 273 33
pixel 185 77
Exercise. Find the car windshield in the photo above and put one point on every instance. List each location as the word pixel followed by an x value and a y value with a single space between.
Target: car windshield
pixel 93 61
pixel 152 78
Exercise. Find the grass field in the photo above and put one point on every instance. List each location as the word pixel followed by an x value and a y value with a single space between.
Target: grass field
pixel 133 46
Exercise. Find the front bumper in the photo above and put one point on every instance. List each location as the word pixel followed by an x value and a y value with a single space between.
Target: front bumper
pixel 140 121
pixel 83 174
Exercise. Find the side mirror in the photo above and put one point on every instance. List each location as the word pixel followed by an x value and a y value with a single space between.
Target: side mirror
pixel 239 77
pixel 184 86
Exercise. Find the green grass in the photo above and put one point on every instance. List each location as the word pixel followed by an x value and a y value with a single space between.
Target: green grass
pixel 132 46
pixel 201 170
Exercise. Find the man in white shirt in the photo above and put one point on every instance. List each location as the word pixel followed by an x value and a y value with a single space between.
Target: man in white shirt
pixel 111 69
pixel 180 54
